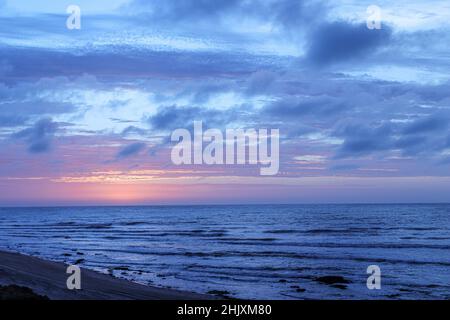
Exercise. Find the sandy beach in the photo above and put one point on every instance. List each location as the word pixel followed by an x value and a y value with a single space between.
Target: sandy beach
pixel 47 279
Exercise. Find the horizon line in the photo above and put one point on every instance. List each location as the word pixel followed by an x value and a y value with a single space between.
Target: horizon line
pixel 218 204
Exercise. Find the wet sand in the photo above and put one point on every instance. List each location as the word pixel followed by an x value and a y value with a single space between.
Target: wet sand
pixel 47 279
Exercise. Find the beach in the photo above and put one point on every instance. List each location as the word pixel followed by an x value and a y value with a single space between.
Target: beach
pixel 47 279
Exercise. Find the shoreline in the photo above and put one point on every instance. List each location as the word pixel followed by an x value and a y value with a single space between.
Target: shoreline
pixel 48 279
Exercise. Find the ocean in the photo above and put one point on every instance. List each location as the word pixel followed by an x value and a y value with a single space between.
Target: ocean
pixel 248 251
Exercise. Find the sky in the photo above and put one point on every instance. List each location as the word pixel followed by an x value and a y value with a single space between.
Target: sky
pixel 86 114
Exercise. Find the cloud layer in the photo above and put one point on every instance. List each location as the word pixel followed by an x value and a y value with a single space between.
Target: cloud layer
pixel 367 103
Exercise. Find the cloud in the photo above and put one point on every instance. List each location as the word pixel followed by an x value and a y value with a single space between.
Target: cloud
pixel 342 41
pixel 12 120
pixel 173 117
pixel 426 136
pixel 287 13
pixel 260 82
pixel 132 61
pixel 24 102
pixel 228 64
pixel 344 167
pixel 133 130
pixel 413 145
pixel 176 10
pixel 292 14
pixel 299 107
pixel 360 140
pixel 39 136
pixel 432 123
pixel 130 150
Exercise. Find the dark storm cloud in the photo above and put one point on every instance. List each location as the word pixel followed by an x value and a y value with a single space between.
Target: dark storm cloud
pixel 39 136
pixel 342 41
pixel 130 150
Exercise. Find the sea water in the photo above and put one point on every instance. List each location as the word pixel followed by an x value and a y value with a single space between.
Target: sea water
pixel 248 251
